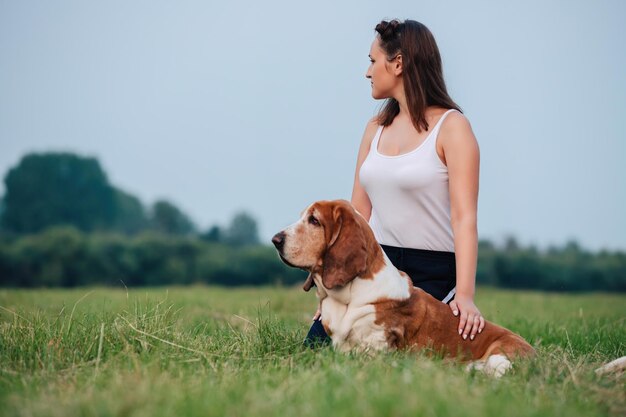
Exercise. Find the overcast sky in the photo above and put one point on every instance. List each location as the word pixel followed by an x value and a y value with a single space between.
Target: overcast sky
pixel 260 106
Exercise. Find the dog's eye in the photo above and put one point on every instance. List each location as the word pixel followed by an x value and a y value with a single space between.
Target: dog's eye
pixel 313 221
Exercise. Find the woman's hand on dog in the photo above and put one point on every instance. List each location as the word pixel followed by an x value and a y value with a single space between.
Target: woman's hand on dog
pixel 471 321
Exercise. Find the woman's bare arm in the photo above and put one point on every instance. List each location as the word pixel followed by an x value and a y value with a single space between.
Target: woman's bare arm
pixel 462 156
pixel 360 199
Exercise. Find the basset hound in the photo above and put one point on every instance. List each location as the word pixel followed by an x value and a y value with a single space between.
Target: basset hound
pixel 368 304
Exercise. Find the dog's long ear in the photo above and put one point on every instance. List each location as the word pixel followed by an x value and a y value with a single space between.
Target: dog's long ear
pixel 346 251
pixel 309 282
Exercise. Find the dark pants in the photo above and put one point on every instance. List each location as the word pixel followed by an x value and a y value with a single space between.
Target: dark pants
pixel 432 271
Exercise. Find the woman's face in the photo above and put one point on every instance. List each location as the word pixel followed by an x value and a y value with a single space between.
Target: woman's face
pixel 385 76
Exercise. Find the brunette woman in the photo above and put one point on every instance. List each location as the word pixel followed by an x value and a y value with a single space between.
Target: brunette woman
pixel 416 179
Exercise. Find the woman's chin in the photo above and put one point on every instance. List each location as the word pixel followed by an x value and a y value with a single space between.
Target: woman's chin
pixel 377 95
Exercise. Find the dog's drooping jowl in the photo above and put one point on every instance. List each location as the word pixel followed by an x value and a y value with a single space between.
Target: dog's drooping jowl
pixel 368 304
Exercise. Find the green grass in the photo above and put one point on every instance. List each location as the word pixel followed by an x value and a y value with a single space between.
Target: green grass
pixel 214 351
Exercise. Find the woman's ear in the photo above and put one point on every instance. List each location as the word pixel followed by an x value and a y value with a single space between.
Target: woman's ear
pixel 397 65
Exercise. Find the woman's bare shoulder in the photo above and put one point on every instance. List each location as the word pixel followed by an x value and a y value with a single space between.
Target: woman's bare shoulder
pixel 370 131
pixel 455 127
pixel 456 121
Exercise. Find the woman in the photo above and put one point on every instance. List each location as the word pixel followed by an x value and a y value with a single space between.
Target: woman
pixel 416 178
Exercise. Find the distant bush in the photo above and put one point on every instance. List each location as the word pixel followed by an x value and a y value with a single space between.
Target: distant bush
pixel 558 269
pixel 66 257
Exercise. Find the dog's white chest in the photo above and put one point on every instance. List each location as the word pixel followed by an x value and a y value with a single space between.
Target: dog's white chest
pixel 350 314
pixel 353 327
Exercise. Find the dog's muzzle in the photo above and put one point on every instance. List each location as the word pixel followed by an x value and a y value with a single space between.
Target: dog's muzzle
pixel 279 241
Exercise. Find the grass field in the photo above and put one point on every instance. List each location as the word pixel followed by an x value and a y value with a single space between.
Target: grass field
pixel 215 351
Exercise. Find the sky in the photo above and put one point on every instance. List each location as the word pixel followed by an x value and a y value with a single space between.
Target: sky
pixel 221 107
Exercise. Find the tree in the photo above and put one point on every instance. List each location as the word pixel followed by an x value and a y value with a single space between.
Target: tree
pixel 214 234
pixel 130 215
pixel 57 188
pixel 242 230
pixel 511 245
pixel 2 208
pixel 169 219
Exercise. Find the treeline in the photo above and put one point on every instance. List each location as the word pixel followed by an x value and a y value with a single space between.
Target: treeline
pixel 62 223
pixel 567 268
pixel 67 257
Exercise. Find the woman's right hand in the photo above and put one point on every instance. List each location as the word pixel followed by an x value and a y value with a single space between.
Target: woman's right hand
pixel 317 315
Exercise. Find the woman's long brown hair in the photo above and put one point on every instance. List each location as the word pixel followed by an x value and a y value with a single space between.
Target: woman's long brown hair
pixel 422 72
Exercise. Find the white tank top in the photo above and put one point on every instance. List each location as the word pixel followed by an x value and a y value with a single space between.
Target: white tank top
pixel 409 195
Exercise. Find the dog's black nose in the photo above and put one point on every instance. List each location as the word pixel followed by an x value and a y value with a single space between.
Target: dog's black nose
pixel 279 240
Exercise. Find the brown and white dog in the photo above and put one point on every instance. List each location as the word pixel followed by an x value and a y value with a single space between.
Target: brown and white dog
pixel 368 304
